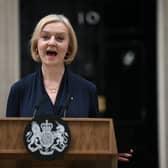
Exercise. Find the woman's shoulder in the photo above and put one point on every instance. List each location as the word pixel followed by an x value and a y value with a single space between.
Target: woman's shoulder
pixel 81 81
pixel 24 81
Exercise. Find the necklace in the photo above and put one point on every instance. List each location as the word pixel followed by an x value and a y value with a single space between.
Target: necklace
pixel 52 90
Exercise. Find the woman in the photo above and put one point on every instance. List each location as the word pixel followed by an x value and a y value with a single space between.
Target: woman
pixel 54 44
pixel 54 89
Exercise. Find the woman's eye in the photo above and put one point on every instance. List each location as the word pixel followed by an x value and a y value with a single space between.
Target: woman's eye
pixel 45 37
pixel 60 38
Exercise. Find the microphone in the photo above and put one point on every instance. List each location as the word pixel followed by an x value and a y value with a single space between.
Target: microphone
pixel 68 101
pixel 37 106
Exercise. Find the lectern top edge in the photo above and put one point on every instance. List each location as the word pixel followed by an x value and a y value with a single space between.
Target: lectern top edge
pixel 66 119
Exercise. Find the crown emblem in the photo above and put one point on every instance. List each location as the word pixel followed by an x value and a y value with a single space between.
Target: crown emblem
pixel 46 126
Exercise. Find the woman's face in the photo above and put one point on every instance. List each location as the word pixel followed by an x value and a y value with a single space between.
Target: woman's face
pixel 53 43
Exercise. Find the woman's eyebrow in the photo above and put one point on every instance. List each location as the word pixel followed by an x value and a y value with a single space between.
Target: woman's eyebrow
pixel 48 32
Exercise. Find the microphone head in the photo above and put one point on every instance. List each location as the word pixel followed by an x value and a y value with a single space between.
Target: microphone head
pixel 39 103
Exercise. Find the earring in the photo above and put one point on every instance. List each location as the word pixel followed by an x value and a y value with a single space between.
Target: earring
pixel 66 56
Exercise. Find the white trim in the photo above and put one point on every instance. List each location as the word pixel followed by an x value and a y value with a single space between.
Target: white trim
pixel 161 60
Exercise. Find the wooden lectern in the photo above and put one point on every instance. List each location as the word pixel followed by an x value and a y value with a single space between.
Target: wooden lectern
pixel 93 145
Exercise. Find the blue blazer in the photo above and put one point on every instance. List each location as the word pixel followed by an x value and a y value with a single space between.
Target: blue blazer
pixel 76 97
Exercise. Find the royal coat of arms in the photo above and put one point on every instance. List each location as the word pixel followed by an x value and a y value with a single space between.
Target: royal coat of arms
pixel 46 138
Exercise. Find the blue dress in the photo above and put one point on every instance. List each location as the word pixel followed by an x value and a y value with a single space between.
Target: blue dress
pixel 77 97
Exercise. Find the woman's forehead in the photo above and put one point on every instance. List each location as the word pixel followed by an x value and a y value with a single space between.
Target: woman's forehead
pixel 55 27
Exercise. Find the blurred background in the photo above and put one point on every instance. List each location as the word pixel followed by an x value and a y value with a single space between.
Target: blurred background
pixel 118 51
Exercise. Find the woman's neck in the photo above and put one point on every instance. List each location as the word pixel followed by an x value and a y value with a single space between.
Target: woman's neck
pixel 52 73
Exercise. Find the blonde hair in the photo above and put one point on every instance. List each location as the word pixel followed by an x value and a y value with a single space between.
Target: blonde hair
pixel 73 46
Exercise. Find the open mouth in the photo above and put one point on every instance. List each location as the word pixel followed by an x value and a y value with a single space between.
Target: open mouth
pixel 51 53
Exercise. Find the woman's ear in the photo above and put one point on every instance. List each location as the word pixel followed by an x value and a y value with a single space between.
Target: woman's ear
pixel 36 51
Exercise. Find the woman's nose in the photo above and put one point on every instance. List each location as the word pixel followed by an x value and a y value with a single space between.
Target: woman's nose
pixel 52 41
